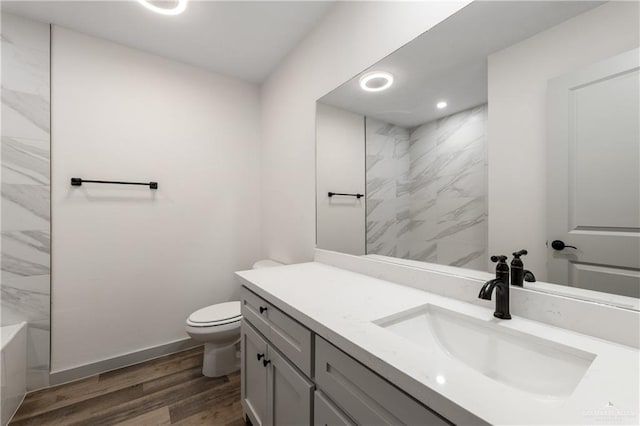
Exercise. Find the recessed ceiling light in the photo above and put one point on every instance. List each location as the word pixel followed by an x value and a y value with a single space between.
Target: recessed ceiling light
pixel 180 6
pixel 441 104
pixel 376 81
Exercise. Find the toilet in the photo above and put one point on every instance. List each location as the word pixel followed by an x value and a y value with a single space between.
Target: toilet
pixel 218 327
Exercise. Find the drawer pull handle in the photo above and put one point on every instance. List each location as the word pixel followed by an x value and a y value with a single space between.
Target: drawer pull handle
pixel 266 362
pixel 262 309
pixel 260 356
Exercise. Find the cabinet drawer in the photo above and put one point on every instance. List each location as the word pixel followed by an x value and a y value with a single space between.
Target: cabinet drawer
pixel 290 337
pixel 325 413
pixel 254 309
pixel 364 396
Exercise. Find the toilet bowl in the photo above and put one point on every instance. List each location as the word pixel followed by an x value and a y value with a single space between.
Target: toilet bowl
pixel 218 327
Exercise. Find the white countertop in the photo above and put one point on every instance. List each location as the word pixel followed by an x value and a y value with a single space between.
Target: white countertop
pixel 340 306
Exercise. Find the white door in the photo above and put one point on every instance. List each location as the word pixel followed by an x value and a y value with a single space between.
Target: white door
pixel 593 176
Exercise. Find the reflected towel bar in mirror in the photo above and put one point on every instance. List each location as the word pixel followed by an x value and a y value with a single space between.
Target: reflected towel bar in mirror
pixel 80 181
pixel 358 196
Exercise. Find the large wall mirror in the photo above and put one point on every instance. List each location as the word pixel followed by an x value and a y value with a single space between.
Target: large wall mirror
pixel 510 125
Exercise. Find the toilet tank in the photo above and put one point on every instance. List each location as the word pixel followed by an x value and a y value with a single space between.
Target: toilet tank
pixel 266 263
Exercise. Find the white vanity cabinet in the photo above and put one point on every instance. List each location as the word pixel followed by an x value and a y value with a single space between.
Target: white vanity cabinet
pixel 280 357
pixel 273 391
pixel 290 337
pixel 254 375
pixel 325 412
pixel 276 365
pixel 362 396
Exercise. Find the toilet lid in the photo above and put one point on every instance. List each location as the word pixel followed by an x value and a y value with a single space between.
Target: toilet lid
pixel 220 313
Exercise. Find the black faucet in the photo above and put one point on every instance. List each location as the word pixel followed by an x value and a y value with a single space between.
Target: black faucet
pixel 529 277
pixel 518 273
pixel 501 282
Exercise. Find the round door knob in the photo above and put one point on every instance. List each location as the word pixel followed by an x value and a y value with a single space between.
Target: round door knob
pixel 560 245
pixel 260 356
pixel 266 362
pixel 262 309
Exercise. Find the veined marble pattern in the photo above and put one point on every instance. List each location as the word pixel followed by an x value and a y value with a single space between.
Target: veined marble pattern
pixel 25 287
pixel 26 299
pixel 388 186
pixel 439 176
pixel 25 161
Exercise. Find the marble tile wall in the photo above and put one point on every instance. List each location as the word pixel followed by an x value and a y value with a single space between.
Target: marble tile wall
pixel 440 183
pixel 25 280
pixel 388 198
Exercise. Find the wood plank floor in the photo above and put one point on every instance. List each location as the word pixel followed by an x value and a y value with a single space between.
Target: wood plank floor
pixel 166 391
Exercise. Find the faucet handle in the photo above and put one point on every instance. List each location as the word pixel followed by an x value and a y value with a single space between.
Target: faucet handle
pixel 517 254
pixel 501 258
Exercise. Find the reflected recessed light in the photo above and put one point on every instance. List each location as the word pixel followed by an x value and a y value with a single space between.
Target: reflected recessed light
pixel 180 6
pixel 376 81
pixel 441 104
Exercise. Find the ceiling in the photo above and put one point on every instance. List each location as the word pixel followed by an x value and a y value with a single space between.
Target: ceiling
pixel 241 39
pixel 449 62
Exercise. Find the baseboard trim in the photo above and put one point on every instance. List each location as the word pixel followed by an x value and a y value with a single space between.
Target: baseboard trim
pixel 103 366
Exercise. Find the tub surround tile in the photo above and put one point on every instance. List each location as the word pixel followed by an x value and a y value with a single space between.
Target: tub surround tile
pixel 25 299
pixel 25 161
pixel 462 255
pixel 25 286
pixel 14 124
pixel 27 69
pixel 33 199
pixel 25 253
pixel 433 179
pixel 13 266
pixel 38 353
pixel 33 107
pixel 468 184
pixel 388 185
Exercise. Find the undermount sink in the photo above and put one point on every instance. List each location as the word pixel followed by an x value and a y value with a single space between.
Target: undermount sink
pixel 517 359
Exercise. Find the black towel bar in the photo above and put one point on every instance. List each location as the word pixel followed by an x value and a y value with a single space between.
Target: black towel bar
pixel 331 194
pixel 80 181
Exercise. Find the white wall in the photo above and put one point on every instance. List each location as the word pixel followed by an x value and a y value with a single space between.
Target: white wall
pixel 340 155
pixel 353 36
pixel 518 79
pixel 130 264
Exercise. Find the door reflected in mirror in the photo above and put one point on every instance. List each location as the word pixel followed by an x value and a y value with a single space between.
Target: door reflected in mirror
pixel 506 127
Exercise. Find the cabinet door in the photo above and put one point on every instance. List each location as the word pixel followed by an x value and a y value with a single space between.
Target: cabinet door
pixel 289 395
pixel 325 413
pixel 254 375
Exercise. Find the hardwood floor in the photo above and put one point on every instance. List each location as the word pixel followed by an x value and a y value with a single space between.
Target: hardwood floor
pixel 165 391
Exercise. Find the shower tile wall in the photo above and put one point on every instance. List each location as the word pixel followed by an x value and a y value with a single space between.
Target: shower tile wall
pixel 441 204
pixel 388 198
pixel 25 276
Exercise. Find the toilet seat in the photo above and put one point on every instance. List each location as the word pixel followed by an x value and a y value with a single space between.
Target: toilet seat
pixel 216 315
